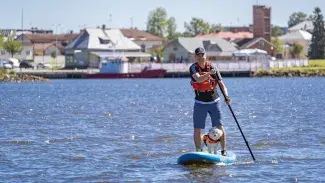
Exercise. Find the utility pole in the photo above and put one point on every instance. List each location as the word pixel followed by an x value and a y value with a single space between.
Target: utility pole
pixel 110 21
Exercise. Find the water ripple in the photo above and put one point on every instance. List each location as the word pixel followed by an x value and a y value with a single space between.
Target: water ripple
pixel 134 130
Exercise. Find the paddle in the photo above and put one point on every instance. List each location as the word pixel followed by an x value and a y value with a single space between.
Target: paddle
pixel 232 112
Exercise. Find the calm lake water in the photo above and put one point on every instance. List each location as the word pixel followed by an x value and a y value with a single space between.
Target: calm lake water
pixel 134 130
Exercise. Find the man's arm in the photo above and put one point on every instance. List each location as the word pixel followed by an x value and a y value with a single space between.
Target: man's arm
pixel 222 85
pixel 223 88
pixel 200 77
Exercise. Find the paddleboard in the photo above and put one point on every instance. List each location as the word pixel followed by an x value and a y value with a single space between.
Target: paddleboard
pixel 205 157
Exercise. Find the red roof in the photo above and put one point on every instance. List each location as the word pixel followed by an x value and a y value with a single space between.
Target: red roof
pixel 228 35
pixel 139 35
pixel 48 38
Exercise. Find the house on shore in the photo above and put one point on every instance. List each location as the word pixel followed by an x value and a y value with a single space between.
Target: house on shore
pixel 301 37
pixel 96 43
pixel 256 43
pixel 182 49
pixel 143 39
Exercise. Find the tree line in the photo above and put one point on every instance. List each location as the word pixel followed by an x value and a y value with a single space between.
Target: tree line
pixel 161 25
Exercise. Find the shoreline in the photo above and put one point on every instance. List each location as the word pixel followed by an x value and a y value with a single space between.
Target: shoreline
pixel 47 76
pixel 291 73
pixel 13 78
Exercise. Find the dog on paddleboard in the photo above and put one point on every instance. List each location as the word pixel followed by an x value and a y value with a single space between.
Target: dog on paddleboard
pixel 211 139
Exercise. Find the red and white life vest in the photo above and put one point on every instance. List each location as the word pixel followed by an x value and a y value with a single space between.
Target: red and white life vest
pixel 207 85
pixel 206 139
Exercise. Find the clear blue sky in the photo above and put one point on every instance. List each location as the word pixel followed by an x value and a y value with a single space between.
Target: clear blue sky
pixel 74 14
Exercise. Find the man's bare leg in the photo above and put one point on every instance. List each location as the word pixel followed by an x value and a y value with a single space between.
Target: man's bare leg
pixel 197 138
pixel 222 138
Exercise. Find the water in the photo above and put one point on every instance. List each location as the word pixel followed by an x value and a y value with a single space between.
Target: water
pixel 134 130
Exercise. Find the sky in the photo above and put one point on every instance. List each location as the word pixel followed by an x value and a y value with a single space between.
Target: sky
pixel 77 14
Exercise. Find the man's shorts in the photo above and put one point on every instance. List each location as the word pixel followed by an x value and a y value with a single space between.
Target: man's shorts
pixel 201 111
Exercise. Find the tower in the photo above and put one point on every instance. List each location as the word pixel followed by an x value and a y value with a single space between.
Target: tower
pixel 262 22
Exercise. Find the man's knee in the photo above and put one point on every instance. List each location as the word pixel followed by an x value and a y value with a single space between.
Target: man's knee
pixel 197 130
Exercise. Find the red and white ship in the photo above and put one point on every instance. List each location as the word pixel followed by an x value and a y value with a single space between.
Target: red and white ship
pixel 119 68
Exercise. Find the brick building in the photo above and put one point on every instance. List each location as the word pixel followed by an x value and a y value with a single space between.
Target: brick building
pixel 262 22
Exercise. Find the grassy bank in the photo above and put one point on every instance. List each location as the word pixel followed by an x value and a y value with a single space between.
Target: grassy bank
pixel 314 68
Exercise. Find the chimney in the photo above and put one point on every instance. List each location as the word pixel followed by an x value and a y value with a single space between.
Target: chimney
pixel 103 26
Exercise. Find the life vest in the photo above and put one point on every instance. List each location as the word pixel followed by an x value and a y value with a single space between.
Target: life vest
pixel 207 85
pixel 206 139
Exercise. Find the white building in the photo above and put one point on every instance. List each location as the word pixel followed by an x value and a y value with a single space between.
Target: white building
pixel 94 43
pixel 301 37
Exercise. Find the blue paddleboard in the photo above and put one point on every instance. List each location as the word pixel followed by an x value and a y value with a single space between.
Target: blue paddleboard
pixel 205 157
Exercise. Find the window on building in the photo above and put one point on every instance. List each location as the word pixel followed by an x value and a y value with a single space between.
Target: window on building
pixel 3 52
pixel 172 58
pixel 69 59
pixel 28 52
pixel 143 48
pixel 261 44
pixel 104 41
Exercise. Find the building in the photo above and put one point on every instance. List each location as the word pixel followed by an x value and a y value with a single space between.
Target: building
pixel 18 32
pixel 305 25
pixel 239 28
pixel 262 22
pixel 301 37
pixel 143 39
pixel 182 49
pixel 256 43
pixel 96 43
pixel 46 49
pixel 228 35
pixel 27 52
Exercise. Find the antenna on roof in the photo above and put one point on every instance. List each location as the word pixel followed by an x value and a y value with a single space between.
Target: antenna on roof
pixel 110 21
pixel 256 2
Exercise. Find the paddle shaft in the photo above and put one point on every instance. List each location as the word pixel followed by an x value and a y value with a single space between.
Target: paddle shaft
pixel 233 115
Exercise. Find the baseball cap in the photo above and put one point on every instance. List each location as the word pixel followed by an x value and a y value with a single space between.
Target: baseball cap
pixel 199 50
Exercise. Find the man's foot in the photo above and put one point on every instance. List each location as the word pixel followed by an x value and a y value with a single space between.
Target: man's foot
pixel 199 150
pixel 224 152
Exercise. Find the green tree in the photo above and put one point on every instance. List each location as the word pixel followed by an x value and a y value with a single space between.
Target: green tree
pixel 215 27
pixel 157 22
pixel 1 41
pixel 317 46
pixel 278 44
pixel 197 26
pixel 12 46
pixel 171 29
pixel 297 17
pixel 159 51
pixel 296 50
pixel 186 34
pixel 277 31
pixel 53 54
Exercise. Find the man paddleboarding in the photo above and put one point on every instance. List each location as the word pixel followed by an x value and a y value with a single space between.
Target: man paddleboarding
pixel 204 80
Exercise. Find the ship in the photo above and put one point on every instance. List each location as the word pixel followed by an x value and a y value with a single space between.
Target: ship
pixel 118 67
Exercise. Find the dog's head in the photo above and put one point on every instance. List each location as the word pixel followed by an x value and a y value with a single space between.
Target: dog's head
pixel 215 133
